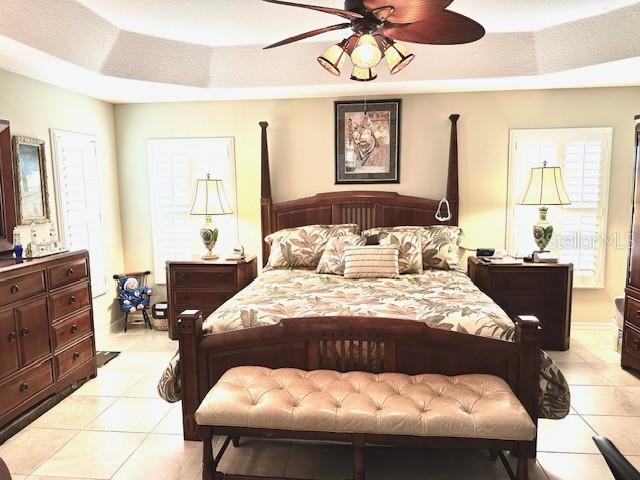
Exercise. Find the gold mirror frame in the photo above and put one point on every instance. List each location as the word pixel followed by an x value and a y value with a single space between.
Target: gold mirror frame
pixel 23 218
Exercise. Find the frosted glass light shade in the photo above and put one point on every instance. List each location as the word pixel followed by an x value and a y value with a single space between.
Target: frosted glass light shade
pixel 332 60
pixel 363 74
pixel 367 54
pixel 545 187
pixel 210 198
pixel 397 57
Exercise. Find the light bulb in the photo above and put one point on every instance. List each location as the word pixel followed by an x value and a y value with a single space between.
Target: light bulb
pixel 367 54
pixel 333 58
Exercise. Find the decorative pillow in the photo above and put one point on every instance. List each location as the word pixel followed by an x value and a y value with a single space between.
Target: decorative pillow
pixel 440 244
pixel 332 260
pixel 302 247
pixel 409 246
pixel 371 261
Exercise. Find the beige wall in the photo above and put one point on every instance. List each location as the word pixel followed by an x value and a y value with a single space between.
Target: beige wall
pixel 301 143
pixel 33 108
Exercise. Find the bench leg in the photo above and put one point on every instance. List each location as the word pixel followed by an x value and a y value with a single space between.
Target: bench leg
pixel 522 470
pixel 235 441
pixel 358 457
pixel 208 463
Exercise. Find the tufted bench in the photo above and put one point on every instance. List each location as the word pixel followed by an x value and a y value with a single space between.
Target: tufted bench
pixel 476 411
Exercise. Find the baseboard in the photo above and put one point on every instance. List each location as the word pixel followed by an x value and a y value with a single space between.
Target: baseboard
pixel 593 325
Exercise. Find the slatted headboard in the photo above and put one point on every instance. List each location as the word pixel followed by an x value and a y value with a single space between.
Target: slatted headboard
pixel 366 208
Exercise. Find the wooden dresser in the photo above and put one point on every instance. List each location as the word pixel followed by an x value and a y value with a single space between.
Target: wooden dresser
pixel 46 329
pixel 631 332
pixel 540 289
pixel 205 285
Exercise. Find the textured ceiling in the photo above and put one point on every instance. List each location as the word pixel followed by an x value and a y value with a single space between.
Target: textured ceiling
pixel 144 50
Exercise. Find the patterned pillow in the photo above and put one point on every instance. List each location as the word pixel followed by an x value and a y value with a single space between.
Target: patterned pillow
pixel 371 261
pixel 410 249
pixel 440 244
pixel 332 260
pixel 302 247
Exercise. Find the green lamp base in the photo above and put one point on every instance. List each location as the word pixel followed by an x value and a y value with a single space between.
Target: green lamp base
pixel 209 236
pixel 543 230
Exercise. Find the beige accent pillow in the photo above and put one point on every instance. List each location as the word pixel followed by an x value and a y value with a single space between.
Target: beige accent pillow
pixel 409 249
pixel 332 260
pixel 440 244
pixel 371 261
pixel 302 247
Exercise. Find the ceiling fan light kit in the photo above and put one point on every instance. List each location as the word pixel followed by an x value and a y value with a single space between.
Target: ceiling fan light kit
pixel 377 24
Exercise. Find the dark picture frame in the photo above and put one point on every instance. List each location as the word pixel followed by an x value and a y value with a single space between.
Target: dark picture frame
pixel 367 141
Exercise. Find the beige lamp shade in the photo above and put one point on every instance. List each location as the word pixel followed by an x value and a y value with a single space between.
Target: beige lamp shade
pixel 367 54
pixel 397 57
pixel 545 187
pixel 210 198
pixel 334 57
pixel 363 74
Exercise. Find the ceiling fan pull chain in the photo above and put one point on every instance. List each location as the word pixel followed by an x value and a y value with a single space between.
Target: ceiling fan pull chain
pixel 439 216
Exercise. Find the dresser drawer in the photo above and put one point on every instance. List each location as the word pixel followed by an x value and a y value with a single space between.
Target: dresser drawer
pixel 21 287
pixel 632 342
pixel 74 357
pixel 72 329
pixel 193 298
pixel 69 301
pixel 534 280
pixel 220 276
pixel 68 273
pixel 25 386
pixel 632 312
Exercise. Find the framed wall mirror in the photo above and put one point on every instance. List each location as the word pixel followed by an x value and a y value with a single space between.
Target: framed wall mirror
pixel 30 167
pixel 7 198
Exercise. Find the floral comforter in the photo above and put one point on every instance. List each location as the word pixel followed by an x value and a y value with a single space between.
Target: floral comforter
pixel 441 299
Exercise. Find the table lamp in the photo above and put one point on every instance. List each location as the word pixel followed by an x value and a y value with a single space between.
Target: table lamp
pixel 544 188
pixel 209 200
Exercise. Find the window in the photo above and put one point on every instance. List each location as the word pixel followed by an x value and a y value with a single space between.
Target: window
pixel 584 154
pixel 79 206
pixel 174 167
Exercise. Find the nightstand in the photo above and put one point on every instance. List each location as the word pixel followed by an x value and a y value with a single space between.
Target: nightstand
pixel 205 285
pixel 540 289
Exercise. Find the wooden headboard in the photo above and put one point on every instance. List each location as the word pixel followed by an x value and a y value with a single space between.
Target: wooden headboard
pixel 366 208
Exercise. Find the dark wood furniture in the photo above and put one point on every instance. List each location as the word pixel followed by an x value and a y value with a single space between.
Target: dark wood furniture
pixel 631 329
pixel 205 285
pixel 205 357
pixel 7 191
pixel 46 329
pixel 370 345
pixel 539 289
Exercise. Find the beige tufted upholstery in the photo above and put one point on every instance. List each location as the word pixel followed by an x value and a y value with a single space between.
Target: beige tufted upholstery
pixel 471 406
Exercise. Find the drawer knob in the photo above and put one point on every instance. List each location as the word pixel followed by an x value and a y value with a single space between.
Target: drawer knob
pixel 24 387
pixel 636 343
pixel 72 300
pixel 24 332
pixel 13 337
pixel 69 272
pixel 14 289
pixel 76 355
pixel 74 328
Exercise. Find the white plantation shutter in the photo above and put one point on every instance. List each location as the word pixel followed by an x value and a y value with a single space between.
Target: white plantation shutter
pixel 584 154
pixel 174 167
pixel 80 212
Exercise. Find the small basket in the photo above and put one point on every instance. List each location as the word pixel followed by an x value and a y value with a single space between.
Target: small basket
pixel 160 316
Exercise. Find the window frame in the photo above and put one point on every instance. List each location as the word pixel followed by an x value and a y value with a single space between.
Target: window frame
pixel 564 136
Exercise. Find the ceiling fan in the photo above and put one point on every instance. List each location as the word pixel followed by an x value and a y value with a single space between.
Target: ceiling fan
pixel 377 24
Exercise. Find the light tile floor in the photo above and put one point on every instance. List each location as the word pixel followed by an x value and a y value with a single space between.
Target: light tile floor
pixel 116 427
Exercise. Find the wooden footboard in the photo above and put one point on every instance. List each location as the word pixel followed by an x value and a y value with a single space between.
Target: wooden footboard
pixel 353 343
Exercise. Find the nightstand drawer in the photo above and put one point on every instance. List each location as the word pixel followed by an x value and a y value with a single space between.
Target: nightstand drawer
pixel 204 277
pixel 69 301
pixel 531 280
pixel 632 312
pixel 192 298
pixel 632 342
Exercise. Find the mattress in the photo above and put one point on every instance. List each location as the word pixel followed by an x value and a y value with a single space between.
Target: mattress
pixel 445 300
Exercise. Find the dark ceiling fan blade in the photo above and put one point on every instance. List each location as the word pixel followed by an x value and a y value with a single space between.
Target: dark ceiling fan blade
pixel 312 33
pixel 408 11
pixel 335 11
pixel 445 28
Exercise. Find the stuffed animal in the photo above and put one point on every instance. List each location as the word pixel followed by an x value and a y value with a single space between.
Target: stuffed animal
pixel 132 297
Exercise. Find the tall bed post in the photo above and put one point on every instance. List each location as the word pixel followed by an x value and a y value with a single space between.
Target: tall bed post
pixel 265 192
pixel 452 178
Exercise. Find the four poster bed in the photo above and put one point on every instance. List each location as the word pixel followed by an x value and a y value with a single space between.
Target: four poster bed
pixel 435 322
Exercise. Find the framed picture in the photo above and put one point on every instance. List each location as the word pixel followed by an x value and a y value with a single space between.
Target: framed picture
pixel 30 167
pixel 368 142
